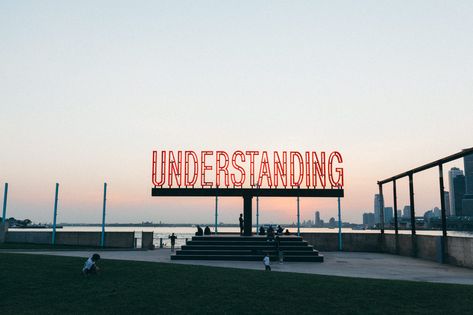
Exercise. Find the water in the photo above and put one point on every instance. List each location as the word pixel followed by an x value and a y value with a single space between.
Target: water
pixel 187 232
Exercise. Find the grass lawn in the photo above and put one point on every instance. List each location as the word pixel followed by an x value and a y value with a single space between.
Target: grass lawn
pixel 36 284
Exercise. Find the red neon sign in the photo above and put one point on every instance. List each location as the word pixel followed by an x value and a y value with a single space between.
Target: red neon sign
pixel 266 169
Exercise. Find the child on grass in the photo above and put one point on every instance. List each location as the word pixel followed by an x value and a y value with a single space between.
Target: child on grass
pixel 90 268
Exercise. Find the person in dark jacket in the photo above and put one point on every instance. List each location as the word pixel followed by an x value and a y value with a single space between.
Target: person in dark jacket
pixel 199 231
pixel 262 231
pixel 173 238
pixel 207 231
pixel 242 223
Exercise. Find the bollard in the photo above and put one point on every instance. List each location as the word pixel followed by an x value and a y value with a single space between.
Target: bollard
pixel 160 242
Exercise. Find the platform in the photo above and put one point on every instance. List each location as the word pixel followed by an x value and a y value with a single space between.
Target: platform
pixel 246 248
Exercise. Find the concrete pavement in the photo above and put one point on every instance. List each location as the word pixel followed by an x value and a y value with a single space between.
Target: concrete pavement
pixel 346 264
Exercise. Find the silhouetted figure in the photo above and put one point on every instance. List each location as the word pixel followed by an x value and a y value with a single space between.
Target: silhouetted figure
pixel 199 231
pixel 279 230
pixel 207 231
pixel 270 235
pixel 90 267
pixel 173 238
pixel 241 223
pixel 287 232
pixel 262 231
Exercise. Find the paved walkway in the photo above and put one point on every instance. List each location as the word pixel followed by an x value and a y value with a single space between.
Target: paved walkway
pixel 347 264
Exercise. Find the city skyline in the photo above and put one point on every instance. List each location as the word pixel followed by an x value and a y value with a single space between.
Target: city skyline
pixel 87 93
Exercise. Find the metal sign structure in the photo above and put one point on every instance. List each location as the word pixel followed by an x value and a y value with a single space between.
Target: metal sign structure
pixel 251 174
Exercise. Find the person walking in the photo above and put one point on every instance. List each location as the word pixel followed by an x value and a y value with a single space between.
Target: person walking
pixel 267 263
pixel 173 238
pixel 241 223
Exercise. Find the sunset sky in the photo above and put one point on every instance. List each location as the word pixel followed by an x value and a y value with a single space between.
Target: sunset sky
pixel 89 89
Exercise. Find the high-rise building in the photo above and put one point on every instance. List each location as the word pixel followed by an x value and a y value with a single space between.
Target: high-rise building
pixel 368 219
pixel 388 215
pixel 317 219
pixel 468 163
pixel 377 208
pixel 467 202
pixel 406 212
pixel 452 173
pixel 459 189
pixel 446 196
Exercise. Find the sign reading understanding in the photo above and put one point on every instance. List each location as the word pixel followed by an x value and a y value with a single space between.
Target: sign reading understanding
pixel 247 169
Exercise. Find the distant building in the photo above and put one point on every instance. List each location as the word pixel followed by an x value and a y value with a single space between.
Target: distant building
pixel 406 212
pixel 317 219
pixel 468 163
pixel 459 189
pixel 388 215
pixel 331 222
pixel 446 196
pixel 452 174
pixel 377 208
pixel 368 219
pixel 467 202
pixel 399 214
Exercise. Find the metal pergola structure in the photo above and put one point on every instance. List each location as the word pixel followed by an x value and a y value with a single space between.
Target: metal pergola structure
pixel 247 194
pixel 410 174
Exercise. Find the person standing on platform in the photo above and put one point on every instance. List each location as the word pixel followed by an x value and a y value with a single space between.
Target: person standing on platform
pixel 267 263
pixel 173 238
pixel 241 223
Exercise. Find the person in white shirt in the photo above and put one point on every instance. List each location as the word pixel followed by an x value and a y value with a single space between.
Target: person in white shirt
pixel 90 267
pixel 266 262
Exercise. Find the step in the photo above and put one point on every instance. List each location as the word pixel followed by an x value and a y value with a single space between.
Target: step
pixel 218 242
pixel 246 258
pixel 241 247
pixel 243 252
pixel 245 238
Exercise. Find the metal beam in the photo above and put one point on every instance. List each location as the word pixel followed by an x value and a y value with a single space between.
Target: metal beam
pixel 444 215
pixel 216 215
pixel 298 217
pixel 53 240
pixel 411 200
pixel 247 214
pixel 429 165
pixel 244 192
pixel 381 205
pixel 395 207
pixel 5 196
pixel 102 238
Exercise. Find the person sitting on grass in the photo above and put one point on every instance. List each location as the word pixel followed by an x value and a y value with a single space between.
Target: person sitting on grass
pixel 267 264
pixel 90 267
pixel 207 231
